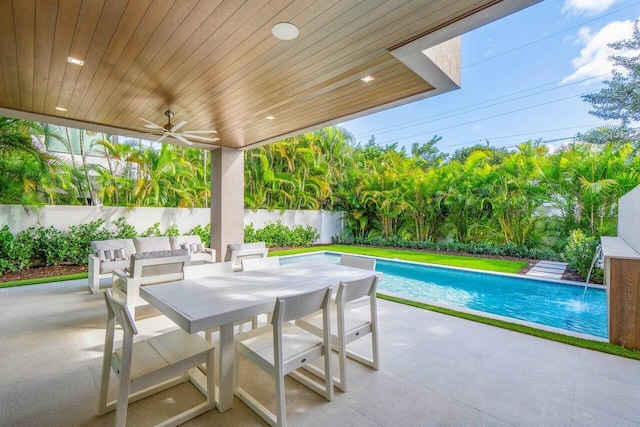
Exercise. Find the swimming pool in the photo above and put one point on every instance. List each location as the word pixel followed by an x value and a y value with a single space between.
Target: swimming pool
pixel 546 303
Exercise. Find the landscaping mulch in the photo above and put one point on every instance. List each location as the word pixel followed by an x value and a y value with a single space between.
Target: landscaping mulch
pixel 37 272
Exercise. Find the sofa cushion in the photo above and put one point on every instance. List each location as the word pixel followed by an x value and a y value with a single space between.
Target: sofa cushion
pixel 240 246
pixel 193 248
pixel 159 269
pixel 178 241
pixel 114 244
pixel 108 267
pixel 152 244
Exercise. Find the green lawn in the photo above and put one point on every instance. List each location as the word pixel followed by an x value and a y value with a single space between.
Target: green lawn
pixel 488 264
pixel 43 280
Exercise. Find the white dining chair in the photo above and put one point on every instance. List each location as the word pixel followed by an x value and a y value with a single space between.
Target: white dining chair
pixel 347 326
pixel 260 263
pixel 150 366
pixel 215 269
pixel 358 262
pixel 283 347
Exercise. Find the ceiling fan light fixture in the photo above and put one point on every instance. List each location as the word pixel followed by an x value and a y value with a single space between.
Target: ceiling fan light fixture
pixel 285 31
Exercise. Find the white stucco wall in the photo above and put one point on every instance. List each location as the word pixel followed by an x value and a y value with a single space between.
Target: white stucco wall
pixel 18 218
pixel 629 218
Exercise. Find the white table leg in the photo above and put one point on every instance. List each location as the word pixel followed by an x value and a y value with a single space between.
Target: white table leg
pixel 225 400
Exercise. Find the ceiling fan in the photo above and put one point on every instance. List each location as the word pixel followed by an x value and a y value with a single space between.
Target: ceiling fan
pixel 175 132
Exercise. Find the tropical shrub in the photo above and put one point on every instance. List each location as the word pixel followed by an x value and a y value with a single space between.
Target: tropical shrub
pixel 579 252
pixel 279 235
pixel 15 252
pixel 496 249
pixel 203 232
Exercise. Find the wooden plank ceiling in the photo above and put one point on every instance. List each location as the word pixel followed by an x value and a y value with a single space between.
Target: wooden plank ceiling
pixel 214 63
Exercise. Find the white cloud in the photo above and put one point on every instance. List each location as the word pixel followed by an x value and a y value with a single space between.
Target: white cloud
pixel 593 61
pixel 590 7
pixel 488 52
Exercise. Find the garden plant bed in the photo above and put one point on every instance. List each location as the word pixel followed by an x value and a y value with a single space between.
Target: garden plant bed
pixel 38 272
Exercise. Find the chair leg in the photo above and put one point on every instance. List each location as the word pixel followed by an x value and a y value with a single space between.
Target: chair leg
pixel 342 362
pixel 211 381
pixel 123 402
pixel 281 414
pixel 104 385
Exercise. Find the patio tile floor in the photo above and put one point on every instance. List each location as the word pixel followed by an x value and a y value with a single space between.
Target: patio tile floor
pixel 436 370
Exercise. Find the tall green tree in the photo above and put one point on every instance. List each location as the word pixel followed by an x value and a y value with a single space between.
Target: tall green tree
pixel 620 98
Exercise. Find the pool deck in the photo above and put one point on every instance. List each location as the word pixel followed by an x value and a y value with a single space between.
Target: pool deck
pixel 435 370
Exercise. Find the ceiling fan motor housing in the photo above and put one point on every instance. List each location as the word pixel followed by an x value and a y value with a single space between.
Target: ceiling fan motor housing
pixel 169 114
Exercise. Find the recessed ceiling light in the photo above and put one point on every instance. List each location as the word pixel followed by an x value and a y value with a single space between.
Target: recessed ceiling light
pixel 368 79
pixel 61 109
pixel 269 117
pixel 73 60
pixel 285 31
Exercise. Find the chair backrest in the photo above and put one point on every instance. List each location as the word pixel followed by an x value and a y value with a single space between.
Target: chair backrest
pixel 118 310
pixel 242 246
pixel 358 262
pixel 238 256
pixel 260 263
pixel 297 306
pixel 206 269
pixel 158 263
pixel 349 291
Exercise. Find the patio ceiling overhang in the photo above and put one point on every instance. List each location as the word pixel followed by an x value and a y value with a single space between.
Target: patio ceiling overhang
pixel 217 65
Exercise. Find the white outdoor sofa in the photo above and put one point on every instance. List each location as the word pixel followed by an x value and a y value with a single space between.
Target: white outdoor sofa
pixel 147 268
pixel 113 254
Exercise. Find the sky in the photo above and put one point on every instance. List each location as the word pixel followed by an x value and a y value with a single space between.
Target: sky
pixel 522 78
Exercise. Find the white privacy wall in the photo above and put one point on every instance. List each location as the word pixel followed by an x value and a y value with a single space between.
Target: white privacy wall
pixel 629 218
pixel 18 218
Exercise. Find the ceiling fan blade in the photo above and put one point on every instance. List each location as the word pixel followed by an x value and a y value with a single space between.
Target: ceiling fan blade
pixel 202 138
pixel 162 137
pixel 178 126
pixel 150 125
pixel 181 138
pixel 200 131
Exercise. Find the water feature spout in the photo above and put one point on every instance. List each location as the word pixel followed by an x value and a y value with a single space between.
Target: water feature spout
pixel 597 262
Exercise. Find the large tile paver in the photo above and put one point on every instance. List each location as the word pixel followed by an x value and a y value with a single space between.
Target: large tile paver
pixel 436 370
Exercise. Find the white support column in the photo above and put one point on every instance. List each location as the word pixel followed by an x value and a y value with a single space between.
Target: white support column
pixel 227 199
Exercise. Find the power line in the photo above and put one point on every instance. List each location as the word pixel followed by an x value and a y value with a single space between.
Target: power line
pixel 363 135
pixel 435 118
pixel 549 36
pixel 485 118
pixel 480 140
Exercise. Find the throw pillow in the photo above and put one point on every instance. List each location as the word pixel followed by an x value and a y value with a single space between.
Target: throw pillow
pixel 120 254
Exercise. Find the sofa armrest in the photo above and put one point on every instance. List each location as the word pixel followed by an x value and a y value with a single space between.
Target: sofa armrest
pixel 94 274
pixel 211 252
pixel 120 274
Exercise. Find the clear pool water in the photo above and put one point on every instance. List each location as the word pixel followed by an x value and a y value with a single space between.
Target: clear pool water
pixel 557 305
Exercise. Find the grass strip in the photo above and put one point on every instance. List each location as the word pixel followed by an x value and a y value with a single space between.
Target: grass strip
pixel 477 263
pixel 40 280
pixel 603 347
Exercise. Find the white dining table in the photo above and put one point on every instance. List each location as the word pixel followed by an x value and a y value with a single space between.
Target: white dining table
pixel 203 303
